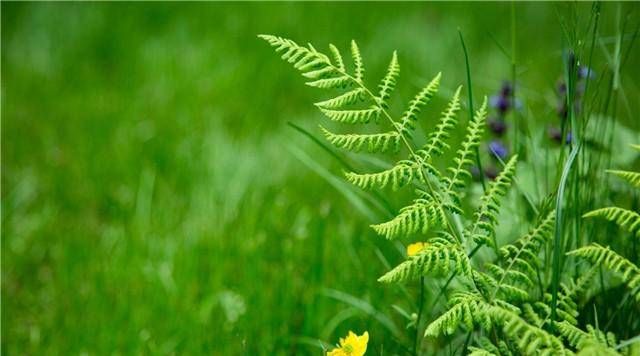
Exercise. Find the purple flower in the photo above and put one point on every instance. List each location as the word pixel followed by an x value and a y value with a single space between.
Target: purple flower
pixel 561 88
pixel 498 149
pixel 500 103
pixel 497 126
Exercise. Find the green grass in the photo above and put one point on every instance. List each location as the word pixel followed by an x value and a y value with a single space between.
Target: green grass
pixel 154 199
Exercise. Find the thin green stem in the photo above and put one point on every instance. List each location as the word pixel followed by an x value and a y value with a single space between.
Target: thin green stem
pixel 470 91
pixel 420 308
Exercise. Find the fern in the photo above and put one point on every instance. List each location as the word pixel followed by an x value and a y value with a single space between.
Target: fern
pixel 496 303
pixel 373 143
pixel 480 352
pixel 437 141
pixel 419 101
pixel 422 215
pixel 357 60
pixel 466 153
pixel 531 340
pixel 388 83
pixel 403 173
pixel 632 177
pixel 436 259
pixel 603 256
pixel 351 97
pixel 487 214
pixel 567 307
pixel 626 219
pixel 360 116
pixel 593 341
pixel 471 310
pixel 468 309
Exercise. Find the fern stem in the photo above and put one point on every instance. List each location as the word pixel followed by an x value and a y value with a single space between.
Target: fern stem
pixel 466 342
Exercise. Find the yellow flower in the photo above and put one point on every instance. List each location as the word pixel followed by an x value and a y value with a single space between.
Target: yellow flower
pixel 352 345
pixel 416 248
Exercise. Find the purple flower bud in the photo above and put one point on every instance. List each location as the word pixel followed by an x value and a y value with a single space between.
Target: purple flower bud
pixel 500 103
pixel 491 172
pixel 561 87
pixel 498 149
pixel 497 126
pixel 507 89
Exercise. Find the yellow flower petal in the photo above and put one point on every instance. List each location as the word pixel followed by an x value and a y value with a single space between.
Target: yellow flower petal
pixel 352 345
pixel 415 248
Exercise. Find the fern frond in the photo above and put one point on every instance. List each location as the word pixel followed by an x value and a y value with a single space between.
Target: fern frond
pixel 567 307
pixel 487 214
pixel 487 345
pixel 593 342
pixel 351 97
pixel 602 338
pixel 512 281
pixel 337 57
pixel 421 99
pixel 531 340
pixel 527 247
pixel 331 83
pixel 603 256
pixel 597 349
pixel 372 142
pixel 303 58
pixel 435 259
pixel 436 142
pixel 423 215
pixel 574 335
pixel 480 352
pixel 626 219
pixel 632 177
pixel 388 83
pixel 362 116
pixel 357 60
pixel 399 175
pixel 465 154
pixel 467 309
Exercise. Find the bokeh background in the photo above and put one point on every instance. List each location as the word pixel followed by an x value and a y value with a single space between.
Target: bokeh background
pixel 155 199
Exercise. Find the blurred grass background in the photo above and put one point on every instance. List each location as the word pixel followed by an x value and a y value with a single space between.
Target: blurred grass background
pixel 154 199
